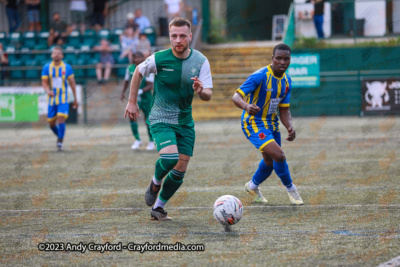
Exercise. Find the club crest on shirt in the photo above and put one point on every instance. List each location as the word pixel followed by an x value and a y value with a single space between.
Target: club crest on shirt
pixel 261 136
pixel 193 71
pixel 286 89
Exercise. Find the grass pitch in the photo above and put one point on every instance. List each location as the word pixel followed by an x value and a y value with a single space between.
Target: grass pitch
pixel 346 170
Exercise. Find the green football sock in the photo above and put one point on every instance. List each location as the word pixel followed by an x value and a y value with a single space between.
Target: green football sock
pixel 134 128
pixel 148 131
pixel 164 164
pixel 171 184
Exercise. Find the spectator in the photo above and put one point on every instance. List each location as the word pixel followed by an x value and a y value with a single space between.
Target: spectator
pixel 78 10
pixel 33 7
pixel 58 31
pixel 100 11
pixel 174 8
pixel 3 61
pixel 130 22
pixel 128 42
pixel 12 14
pixel 318 16
pixel 106 61
pixel 141 20
pixel 144 45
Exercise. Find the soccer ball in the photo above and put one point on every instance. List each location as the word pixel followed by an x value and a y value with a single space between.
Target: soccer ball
pixel 228 210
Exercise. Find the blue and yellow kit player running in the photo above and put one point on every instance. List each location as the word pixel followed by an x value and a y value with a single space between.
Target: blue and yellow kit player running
pixel 267 90
pixel 54 80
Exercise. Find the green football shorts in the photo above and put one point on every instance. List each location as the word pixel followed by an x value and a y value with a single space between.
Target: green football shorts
pixel 166 134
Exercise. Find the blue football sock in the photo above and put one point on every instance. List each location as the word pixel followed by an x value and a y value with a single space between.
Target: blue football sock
pixel 282 170
pixel 262 173
pixel 61 130
pixel 54 129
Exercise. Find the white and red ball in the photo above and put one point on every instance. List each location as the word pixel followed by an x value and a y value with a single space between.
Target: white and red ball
pixel 228 210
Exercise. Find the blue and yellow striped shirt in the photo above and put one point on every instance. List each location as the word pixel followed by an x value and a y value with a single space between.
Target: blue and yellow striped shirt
pixel 267 92
pixel 57 76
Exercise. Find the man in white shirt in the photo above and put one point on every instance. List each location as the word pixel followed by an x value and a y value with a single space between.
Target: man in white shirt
pixel 173 8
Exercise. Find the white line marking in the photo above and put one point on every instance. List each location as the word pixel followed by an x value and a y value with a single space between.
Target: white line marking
pixel 189 190
pixel 392 263
pixel 191 208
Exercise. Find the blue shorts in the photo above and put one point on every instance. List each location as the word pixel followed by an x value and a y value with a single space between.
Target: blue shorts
pixel 57 110
pixel 33 15
pixel 263 137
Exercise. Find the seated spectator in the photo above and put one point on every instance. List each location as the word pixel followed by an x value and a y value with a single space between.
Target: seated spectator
pixel 128 42
pixel 144 45
pixel 132 24
pixel 78 10
pixel 106 61
pixel 141 20
pixel 3 62
pixel 59 31
pixel 33 7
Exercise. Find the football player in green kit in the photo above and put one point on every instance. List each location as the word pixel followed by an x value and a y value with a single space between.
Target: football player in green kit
pixel 180 73
pixel 144 99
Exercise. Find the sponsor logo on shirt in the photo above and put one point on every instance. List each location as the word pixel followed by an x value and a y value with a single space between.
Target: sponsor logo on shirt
pixel 167 69
pixel 269 89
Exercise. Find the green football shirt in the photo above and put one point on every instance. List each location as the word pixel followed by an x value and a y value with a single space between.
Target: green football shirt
pixel 173 91
pixel 146 97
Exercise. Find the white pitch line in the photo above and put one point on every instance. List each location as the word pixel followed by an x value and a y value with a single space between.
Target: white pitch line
pixel 191 208
pixel 392 263
pixel 188 190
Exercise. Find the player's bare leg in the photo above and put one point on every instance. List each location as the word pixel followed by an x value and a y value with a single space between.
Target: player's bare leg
pixel 282 170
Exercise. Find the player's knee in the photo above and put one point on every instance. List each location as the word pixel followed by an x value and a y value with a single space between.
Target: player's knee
pixel 269 162
pixel 280 157
pixel 181 166
pixel 60 119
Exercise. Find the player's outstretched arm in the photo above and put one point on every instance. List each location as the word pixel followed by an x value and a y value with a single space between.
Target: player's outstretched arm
pixel 251 109
pixel 72 83
pixel 286 119
pixel 204 93
pixel 132 108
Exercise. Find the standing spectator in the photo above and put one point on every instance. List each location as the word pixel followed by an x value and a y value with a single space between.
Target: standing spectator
pixel 58 31
pixel 100 11
pixel 141 20
pixel 78 10
pixel 128 42
pixel 3 61
pixel 33 7
pixel 12 14
pixel 144 45
pixel 106 61
pixel 173 8
pixel 318 16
